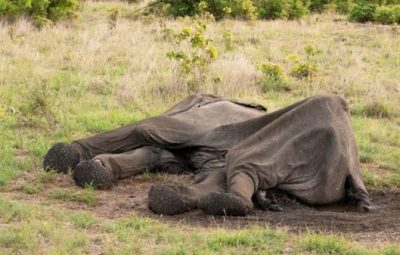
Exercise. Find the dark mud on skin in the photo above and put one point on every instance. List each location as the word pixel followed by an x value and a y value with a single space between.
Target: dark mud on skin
pixel 129 197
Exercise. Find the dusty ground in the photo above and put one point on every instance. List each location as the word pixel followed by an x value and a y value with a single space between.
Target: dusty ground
pixel 130 197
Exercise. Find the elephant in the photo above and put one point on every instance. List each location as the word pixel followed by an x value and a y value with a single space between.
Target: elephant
pixel 237 150
pixel 165 143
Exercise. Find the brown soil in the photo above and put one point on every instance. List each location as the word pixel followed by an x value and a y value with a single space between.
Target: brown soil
pixel 129 197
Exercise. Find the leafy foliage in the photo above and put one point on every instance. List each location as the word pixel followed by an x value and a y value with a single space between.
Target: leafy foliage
pixel 198 54
pixel 42 11
pixel 362 12
pixel 273 77
pixel 383 12
pixel 244 9
pixel 385 15
pixel 307 66
pixel 271 9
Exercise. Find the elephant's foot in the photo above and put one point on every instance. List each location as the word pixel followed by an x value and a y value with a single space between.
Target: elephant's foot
pixel 164 199
pixel 61 157
pixel 92 172
pixel 223 204
pixel 366 206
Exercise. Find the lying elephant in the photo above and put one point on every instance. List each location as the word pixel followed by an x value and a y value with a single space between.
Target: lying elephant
pixel 169 143
pixel 237 150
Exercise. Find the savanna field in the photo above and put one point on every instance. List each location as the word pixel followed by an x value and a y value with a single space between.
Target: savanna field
pixel 108 66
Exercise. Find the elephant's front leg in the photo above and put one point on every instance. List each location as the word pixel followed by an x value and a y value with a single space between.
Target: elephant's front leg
pixel 173 199
pixel 237 201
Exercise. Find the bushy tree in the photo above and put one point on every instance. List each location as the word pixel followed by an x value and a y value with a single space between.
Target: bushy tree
pixel 396 11
pixel 385 15
pixel 42 11
pixel 362 11
pixel 318 5
pixel 357 10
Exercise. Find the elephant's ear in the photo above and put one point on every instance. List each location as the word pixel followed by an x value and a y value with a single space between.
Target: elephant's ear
pixel 250 105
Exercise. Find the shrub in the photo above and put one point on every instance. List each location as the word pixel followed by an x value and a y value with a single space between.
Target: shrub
pixel 195 58
pixel 234 8
pixel 181 7
pixel 385 15
pixel 218 8
pixel 41 11
pixel 277 9
pixel 362 12
pixel 392 2
pixel 228 39
pixel 396 13
pixel 318 5
pixel 343 6
pixel 270 9
pixel 61 9
pixel 38 106
pixel 273 77
pixel 306 67
pixel 296 9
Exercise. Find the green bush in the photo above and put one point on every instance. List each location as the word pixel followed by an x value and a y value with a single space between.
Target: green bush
pixel 218 8
pixel 195 58
pixel 343 6
pixel 11 9
pixel 362 12
pixel 396 13
pixel 245 9
pixel 270 9
pixel 273 78
pixel 318 5
pixel 41 11
pixel 61 9
pixel 385 15
pixel 382 11
pixel 392 2
pixel 296 9
pixel 305 67
pixel 277 9
pixel 234 8
pixel 180 7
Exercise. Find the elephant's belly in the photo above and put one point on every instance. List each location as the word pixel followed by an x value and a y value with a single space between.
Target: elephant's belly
pixel 207 159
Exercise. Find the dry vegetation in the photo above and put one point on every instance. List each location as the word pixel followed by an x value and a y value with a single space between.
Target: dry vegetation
pixel 105 70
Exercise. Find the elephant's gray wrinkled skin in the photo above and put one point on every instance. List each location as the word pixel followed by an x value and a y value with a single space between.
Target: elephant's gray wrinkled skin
pixel 237 150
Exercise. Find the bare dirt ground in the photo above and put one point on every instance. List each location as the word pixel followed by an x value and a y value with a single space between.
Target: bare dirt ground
pixel 129 197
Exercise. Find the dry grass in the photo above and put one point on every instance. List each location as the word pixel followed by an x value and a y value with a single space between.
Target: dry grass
pixel 357 61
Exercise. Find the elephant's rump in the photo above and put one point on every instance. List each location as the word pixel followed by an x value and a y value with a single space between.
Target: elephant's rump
pixel 307 149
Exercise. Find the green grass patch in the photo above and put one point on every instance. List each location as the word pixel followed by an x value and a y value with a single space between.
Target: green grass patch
pixel 257 239
pixel 329 244
pixel 86 196
pixel 377 141
pixel 83 220
pixel 10 166
pixel 374 109
pixel 10 211
pixel 32 188
pixel 333 244
pixel 18 239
